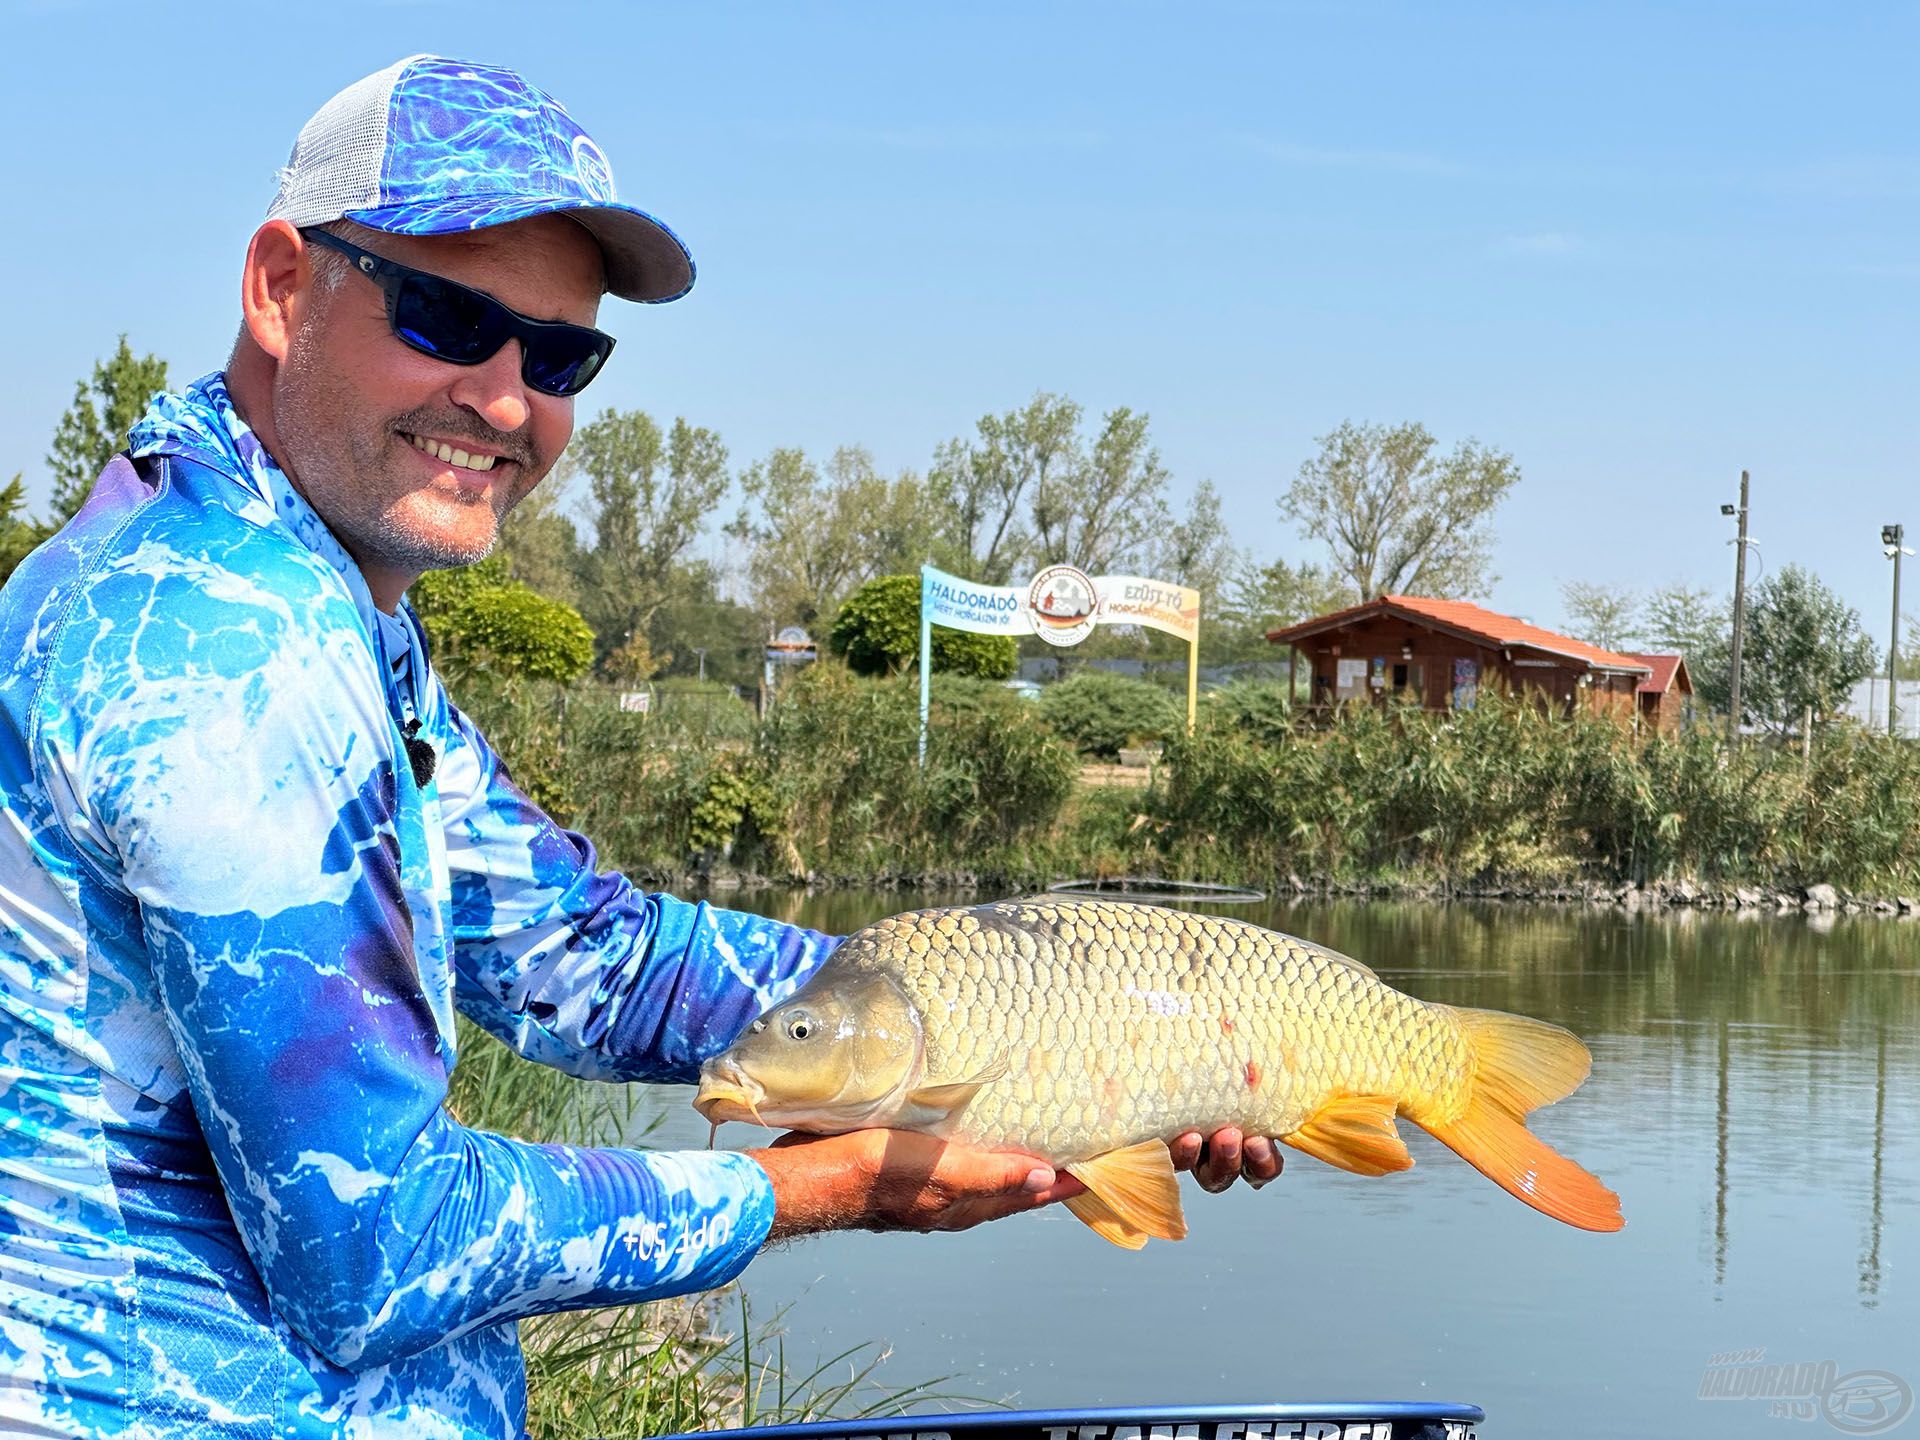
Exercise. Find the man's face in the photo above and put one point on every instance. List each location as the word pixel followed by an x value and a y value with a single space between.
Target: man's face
pixel 361 420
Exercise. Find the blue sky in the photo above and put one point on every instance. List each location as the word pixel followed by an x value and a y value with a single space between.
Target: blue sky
pixel 1639 246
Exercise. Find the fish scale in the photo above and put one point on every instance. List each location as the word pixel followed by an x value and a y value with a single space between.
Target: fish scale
pixel 1138 994
pixel 1089 1032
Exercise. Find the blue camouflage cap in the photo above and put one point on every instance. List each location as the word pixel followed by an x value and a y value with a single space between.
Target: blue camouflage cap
pixel 431 146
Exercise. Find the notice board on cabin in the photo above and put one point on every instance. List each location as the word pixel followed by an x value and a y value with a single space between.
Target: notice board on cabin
pixel 1466 683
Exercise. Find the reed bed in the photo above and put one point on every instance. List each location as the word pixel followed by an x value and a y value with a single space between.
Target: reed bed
pixel 828 789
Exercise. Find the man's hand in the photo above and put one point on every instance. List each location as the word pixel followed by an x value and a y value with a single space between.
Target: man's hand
pixel 903 1180
pixel 900 1180
pixel 1221 1159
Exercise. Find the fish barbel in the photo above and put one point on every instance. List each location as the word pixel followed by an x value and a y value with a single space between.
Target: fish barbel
pixel 1090 1033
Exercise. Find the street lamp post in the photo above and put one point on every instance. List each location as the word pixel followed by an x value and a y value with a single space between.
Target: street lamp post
pixel 703 662
pixel 1739 608
pixel 1890 538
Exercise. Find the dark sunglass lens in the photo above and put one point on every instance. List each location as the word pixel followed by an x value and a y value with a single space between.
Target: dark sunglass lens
pixel 562 362
pixel 447 320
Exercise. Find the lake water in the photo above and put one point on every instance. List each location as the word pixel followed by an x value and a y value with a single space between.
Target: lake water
pixel 1752 1101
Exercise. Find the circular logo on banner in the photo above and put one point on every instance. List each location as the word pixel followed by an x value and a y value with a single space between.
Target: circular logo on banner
pixel 1063 605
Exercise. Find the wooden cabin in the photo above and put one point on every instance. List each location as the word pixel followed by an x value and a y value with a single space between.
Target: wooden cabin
pixel 1442 652
pixel 1665 696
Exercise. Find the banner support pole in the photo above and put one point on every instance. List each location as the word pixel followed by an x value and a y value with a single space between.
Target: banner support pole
pixel 1193 672
pixel 926 665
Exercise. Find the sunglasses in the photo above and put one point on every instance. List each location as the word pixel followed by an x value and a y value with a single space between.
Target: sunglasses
pixel 451 322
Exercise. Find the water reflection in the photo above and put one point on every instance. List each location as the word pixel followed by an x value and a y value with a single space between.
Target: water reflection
pixel 1870 1262
pixel 1745 1102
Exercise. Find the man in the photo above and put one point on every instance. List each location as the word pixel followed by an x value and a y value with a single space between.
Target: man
pixel 254 858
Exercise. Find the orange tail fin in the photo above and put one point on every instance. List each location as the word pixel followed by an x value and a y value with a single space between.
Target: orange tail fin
pixel 1518 1066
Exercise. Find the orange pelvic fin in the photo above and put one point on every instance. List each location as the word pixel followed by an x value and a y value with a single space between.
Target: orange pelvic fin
pixel 1354 1132
pixel 1518 1066
pixel 1137 1188
pixel 1100 1217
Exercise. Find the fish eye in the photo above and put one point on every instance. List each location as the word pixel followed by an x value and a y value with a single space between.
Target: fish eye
pixel 800 1026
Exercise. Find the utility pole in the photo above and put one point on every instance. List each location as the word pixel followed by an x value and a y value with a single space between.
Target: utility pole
pixel 1890 538
pixel 1739 609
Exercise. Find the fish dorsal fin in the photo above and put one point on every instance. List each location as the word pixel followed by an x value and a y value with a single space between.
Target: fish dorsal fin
pixel 1324 952
pixel 1366 970
pixel 1138 1188
pixel 1100 1218
pixel 1354 1132
pixel 949 1099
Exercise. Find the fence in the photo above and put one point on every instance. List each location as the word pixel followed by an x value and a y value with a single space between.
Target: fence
pixel 1868 705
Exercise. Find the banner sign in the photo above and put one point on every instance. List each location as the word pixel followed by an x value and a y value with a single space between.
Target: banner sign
pixel 1061 605
pixel 1134 600
pixel 962 605
pixel 1064 605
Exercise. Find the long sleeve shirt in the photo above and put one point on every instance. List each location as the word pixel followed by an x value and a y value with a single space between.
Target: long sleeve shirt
pixel 234 931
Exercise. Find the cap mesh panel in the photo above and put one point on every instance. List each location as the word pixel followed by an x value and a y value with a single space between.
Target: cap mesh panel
pixel 337 159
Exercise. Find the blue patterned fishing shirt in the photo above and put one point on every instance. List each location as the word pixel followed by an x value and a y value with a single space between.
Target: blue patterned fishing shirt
pixel 234 932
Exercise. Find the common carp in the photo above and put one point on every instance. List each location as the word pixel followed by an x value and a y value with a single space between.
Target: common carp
pixel 1090 1033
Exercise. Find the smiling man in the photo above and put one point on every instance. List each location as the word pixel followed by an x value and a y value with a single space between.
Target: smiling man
pixel 254 859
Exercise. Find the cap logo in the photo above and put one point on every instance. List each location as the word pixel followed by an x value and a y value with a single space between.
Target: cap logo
pixel 590 165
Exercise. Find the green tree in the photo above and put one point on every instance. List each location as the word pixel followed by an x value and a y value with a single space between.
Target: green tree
pixel 96 424
pixel 1259 598
pixel 817 535
pixel 482 621
pixel 1198 550
pixel 18 533
pixel 1908 667
pixel 1603 615
pixel 983 487
pixel 1397 516
pixel 1804 648
pixel 697 619
pixel 1100 511
pixel 649 500
pixel 1682 620
pixel 877 629
pixel 543 547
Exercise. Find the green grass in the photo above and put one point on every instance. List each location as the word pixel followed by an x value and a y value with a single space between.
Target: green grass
pixel 662 1368
pixel 667 1368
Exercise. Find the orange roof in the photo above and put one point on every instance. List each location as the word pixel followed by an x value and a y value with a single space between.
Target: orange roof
pixel 1665 668
pixel 1486 626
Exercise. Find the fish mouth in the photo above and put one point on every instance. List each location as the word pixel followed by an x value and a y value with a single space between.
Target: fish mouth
pixel 723 1097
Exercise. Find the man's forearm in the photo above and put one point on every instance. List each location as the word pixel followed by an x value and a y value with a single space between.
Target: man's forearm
pixel 899 1180
pixel 903 1180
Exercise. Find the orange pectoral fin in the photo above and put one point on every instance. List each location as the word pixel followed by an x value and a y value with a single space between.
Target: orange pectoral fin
pixel 1354 1132
pixel 1138 1192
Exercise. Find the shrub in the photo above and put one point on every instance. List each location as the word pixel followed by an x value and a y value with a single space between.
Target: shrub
pixel 843 754
pixel 480 620
pixel 1508 792
pixel 878 631
pixel 1100 711
pixel 1261 708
